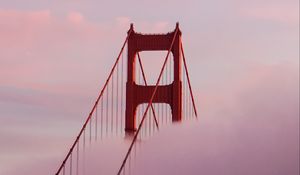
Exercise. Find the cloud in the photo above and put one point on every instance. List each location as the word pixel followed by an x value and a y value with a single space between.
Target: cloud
pixel 256 117
pixel 19 27
pixel 282 13
pixel 249 126
pixel 37 46
pixel 39 15
pixel 75 17
pixel 123 21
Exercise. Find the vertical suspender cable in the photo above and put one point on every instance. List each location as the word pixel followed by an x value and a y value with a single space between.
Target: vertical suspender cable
pixel 117 100
pixel 101 118
pixel 158 111
pixel 186 97
pixel 183 95
pixel 190 108
pixel 124 172
pixel 149 121
pixel 83 156
pixel 96 121
pixel 90 130
pixel 71 164
pixel 107 95
pixel 129 167
pixel 77 159
pixel 163 105
pixel 145 125
pixel 112 104
pixel 84 140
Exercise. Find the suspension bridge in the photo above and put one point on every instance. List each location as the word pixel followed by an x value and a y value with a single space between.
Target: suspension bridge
pixel 128 105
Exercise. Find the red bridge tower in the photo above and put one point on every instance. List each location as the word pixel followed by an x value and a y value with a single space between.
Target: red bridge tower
pixel 137 94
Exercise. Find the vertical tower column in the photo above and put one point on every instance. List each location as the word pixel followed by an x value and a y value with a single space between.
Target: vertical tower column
pixel 177 84
pixel 130 111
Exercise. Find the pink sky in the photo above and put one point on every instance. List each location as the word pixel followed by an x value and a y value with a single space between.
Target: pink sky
pixel 243 58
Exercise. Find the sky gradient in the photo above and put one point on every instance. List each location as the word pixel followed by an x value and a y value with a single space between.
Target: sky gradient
pixel 243 58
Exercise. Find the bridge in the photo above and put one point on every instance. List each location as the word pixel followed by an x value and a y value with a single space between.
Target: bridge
pixel 134 108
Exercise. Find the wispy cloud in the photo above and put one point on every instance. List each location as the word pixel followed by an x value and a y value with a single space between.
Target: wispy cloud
pixel 281 13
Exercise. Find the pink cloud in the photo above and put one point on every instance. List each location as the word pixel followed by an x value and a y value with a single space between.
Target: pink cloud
pixel 277 13
pixel 32 43
pixel 18 27
pixel 39 15
pixel 75 17
pixel 123 21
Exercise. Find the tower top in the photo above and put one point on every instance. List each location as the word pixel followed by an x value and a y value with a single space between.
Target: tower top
pixel 177 25
pixel 132 28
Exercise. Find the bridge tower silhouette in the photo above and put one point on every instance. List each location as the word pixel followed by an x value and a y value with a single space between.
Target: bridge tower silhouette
pixel 137 94
pixel 116 118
